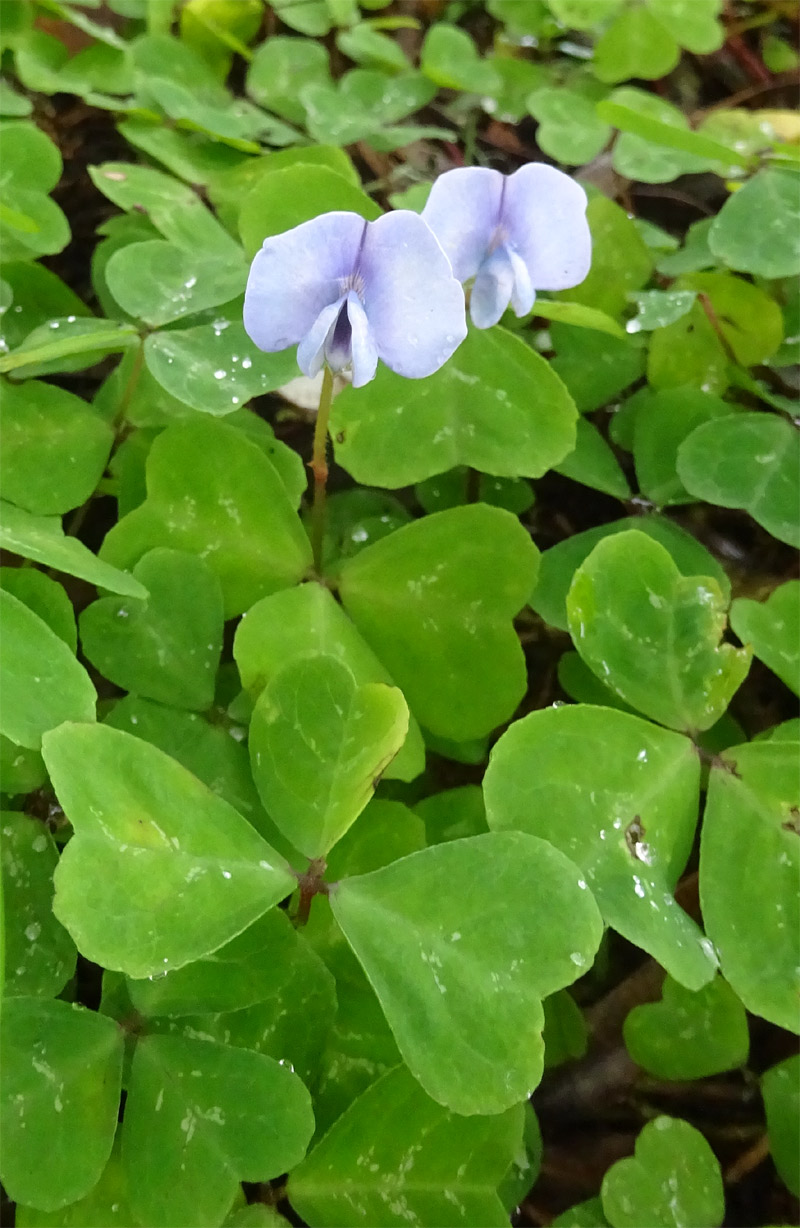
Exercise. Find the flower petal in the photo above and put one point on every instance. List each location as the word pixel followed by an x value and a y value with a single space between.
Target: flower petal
pixel 544 216
pixel 312 350
pixel 492 290
pixel 296 274
pixel 414 305
pixel 463 211
pixel 364 351
pixel 523 293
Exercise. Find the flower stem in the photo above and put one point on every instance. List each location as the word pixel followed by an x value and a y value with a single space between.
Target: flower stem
pixel 319 467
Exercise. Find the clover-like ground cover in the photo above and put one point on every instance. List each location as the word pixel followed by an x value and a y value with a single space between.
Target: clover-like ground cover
pixel 415 843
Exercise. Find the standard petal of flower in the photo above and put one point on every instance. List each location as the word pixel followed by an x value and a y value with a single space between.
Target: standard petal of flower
pixel 463 211
pixel 296 274
pixel 312 350
pixel 364 351
pixel 414 305
pixel 492 290
pixel 544 216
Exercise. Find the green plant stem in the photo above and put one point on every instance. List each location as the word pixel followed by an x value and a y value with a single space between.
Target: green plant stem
pixel 129 389
pixel 319 467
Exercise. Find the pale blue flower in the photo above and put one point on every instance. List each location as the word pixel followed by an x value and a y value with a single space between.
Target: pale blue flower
pixel 348 292
pixel 515 234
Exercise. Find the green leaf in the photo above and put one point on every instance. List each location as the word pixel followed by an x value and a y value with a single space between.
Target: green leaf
pixel 397 1158
pixel 177 872
pixel 62 1072
pixel 635 45
pixel 758 228
pixel 621 260
pixel 45 597
pixel 692 23
pixel 663 421
pixel 293 1019
pixel 657 308
pixel 688 351
pixel 779 1088
pixel 575 677
pixel 12 104
pixel 215 368
pixel 53 447
pixel 688 1034
pixel 749 874
pixel 496 405
pixel 643 151
pixel 578 315
pixel 356 518
pixel 772 627
pixel 594 464
pixel 583 14
pixel 228 189
pixel 238 975
pixel 750 321
pixel 434 601
pixel 32 225
pixel 524 1169
pixel 451 59
pixel 29 157
pixel 385 832
pixel 365 105
pixel 215 28
pixel 560 562
pixel 168 647
pixel 451 489
pixel 188 155
pixel 37 297
pixel 210 752
pixel 42 539
pixel 310 17
pixel 673 1181
pixel 159 282
pixel 201 1117
pixel 695 253
pixel 517 80
pixel 461 988
pixel 212 492
pixel 360 1046
pixel 280 68
pixel 778 55
pixel 664 127
pixel 652 634
pixel 368 46
pixel 21 769
pixel 588 1214
pixel 173 208
pixel 304 620
pixel 453 814
pixel 43 684
pixel 749 461
pixel 565 1030
pixel 569 130
pixel 285 198
pixel 39 954
pixel 594 366
pixel 81 343
pixel 619 796
pixel 319 743
pixel 106 1203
